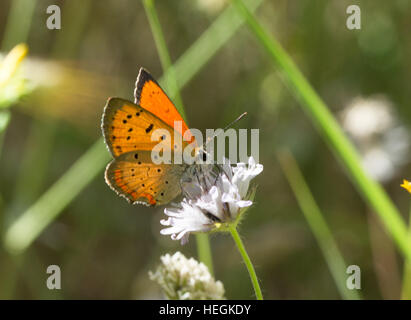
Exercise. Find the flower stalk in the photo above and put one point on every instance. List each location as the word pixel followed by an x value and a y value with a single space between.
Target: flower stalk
pixel 204 251
pixel 247 261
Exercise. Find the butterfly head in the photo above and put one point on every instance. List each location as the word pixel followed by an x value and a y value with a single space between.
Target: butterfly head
pixel 201 155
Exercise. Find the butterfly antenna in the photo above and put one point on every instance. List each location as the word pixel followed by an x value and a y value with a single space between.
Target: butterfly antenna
pixel 235 121
pixel 225 128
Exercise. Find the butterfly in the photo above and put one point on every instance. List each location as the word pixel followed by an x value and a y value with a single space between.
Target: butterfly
pixel 127 128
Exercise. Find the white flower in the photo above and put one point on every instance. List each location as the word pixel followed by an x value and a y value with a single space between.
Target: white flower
pixel 186 279
pixel 364 117
pixel 184 220
pixel 243 175
pixel 378 164
pixel 212 199
pixel 382 140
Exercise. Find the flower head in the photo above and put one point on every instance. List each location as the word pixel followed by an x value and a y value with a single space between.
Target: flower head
pixel 186 279
pixel 215 196
pixel 379 134
pixel 9 65
pixel 406 185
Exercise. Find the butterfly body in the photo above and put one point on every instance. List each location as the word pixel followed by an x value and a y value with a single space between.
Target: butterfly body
pixel 127 129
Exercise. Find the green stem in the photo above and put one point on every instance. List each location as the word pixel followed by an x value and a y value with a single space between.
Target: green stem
pixel 4 122
pixel 70 36
pixel 328 126
pixel 34 166
pixel 18 23
pixel 247 261
pixel 317 223
pixel 210 42
pixel 204 251
pixel 28 226
pixel 406 284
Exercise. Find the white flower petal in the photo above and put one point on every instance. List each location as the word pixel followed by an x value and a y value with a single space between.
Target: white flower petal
pixel 244 203
pixel 219 197
pixel 243 175
pixel 183 278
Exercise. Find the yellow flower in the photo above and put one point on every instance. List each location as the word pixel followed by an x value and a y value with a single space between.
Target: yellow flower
pixel 406 185
pixel 10 63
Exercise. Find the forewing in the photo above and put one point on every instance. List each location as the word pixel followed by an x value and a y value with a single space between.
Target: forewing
pixel 149 95
pixel 128 127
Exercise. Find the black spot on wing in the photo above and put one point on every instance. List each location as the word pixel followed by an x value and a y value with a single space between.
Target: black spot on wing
pixel 149 128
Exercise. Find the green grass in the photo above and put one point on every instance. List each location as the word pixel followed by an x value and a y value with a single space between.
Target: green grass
pixel 18 23
pixel 317 223
pixel 4 122
pixel 406 283
pixel 28 226
pixel 324 121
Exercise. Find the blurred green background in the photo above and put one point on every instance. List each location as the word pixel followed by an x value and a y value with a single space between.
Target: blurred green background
pixel 105 246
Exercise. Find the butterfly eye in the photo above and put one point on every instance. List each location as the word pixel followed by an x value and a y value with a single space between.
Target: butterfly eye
pixel 204 156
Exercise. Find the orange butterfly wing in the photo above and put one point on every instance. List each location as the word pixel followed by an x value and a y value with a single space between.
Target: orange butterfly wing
pixel 128 127
pixel 141 181
pixel 149 95
pixel 127 130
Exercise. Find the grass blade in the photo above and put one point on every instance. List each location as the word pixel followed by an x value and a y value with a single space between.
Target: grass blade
pixel 18 23
pixel 29 225
pixel 406 283
pixel 4 122
pixel 317 223
pixel 207 45
pixel 328 127
pixel 170 77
